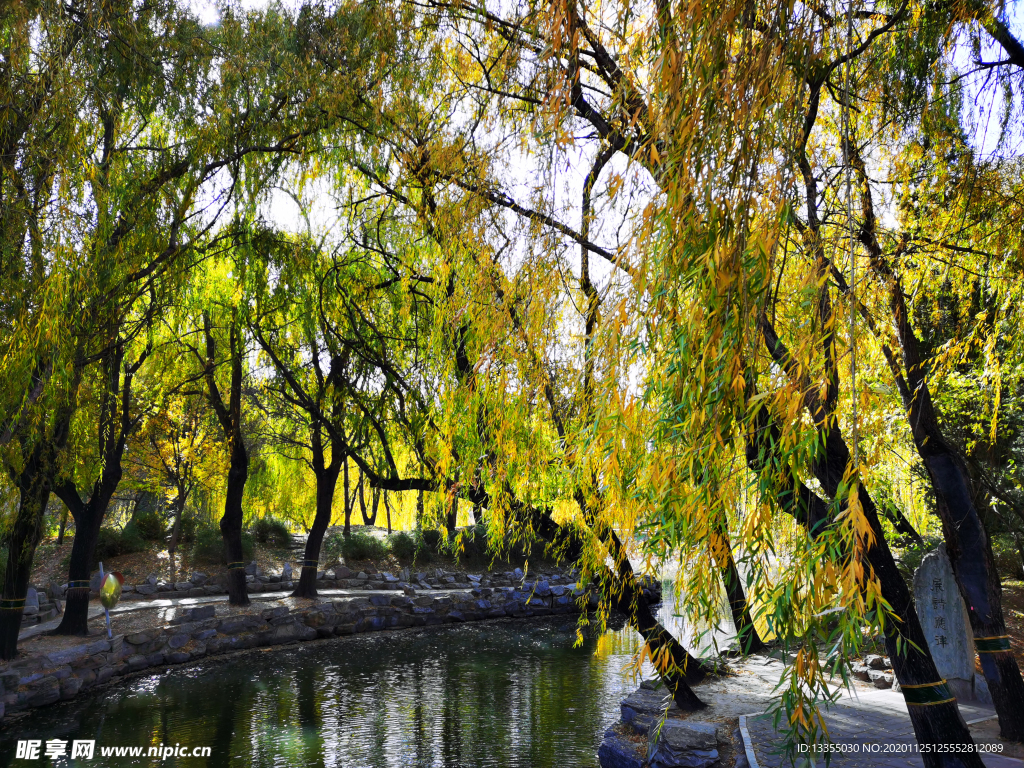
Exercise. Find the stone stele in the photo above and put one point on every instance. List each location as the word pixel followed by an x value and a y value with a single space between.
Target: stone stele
pixel 945 622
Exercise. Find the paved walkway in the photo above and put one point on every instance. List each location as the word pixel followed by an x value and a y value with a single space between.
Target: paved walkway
pixel 170 605
pixel 872 725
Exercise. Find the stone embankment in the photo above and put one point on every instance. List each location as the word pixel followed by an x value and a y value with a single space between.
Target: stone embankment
pixel 653 734
pixel 40 679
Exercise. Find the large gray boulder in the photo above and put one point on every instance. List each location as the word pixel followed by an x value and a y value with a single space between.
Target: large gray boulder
pixel 31 602
pixel 682 744
pixel 646 705
pixel 618 751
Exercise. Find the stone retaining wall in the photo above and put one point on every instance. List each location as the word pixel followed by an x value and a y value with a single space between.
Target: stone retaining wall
pixel 39 680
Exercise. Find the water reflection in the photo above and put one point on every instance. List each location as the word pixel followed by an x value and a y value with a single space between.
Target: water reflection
pixel 497 694
pixel 502 694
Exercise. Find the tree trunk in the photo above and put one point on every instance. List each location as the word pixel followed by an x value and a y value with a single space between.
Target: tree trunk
pixel 348 501
pixel 63 526
pixel 970 554
pixel 230 417
pixel 367 520
pixel 22 540
pixel 374 506
pixel 387 511
pixel 179 510
pixel 678 669
pixel 34 483
pixel 88 520
pixel 935 722
pixel 452 518
pixel 231 525
pixel 326 483
pixel 970 551
pixel 749 639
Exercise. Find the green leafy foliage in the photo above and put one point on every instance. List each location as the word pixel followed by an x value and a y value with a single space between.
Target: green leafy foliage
pixel 358 546
pixel 272 531
pixel 404 546
pixel 150 526
pixel 113 543
pixel 208 546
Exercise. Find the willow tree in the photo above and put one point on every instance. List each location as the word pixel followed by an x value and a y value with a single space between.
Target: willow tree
pixel 330 324
pixel 135 129
pixel 726 127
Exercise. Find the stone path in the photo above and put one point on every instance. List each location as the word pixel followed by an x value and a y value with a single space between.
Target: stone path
pixel 169 605
pixel 873 726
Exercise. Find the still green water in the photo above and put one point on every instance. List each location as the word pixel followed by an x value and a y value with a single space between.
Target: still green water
pixel 503 694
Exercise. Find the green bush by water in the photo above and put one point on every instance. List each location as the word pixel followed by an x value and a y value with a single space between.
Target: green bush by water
pixel 208 546
pixel 270 530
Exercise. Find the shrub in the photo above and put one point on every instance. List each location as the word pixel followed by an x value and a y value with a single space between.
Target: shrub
pixel 113 543
pixel 208 546
pixel 330 550
pixel 403 546
pixel 431 540
pixel 474 545
pixel 358 546
pixel 1007 556
pixel 270 530
pixel 149 526
pixel 187 533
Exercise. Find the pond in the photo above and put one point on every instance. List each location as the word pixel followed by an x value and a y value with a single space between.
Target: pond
pixel 504 694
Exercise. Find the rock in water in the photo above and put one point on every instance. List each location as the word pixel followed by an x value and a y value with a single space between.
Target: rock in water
pixel 617 751
pixel 644 706
pixel 682 744
pixel 945 622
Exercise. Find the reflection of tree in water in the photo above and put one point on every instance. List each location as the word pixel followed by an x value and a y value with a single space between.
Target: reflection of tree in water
pixel 497 694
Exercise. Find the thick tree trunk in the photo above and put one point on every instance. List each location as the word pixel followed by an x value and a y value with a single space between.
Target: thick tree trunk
pixel 22 540
pixel 935 722
pixel 231 525
pixel 374 507
pixel 88 520
pixel 933 711
pixel 179 510
pixel 326 483
pixel 970 551
pixel 746 633
pixel 230 417
pixel 367 519
pixel 677 668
